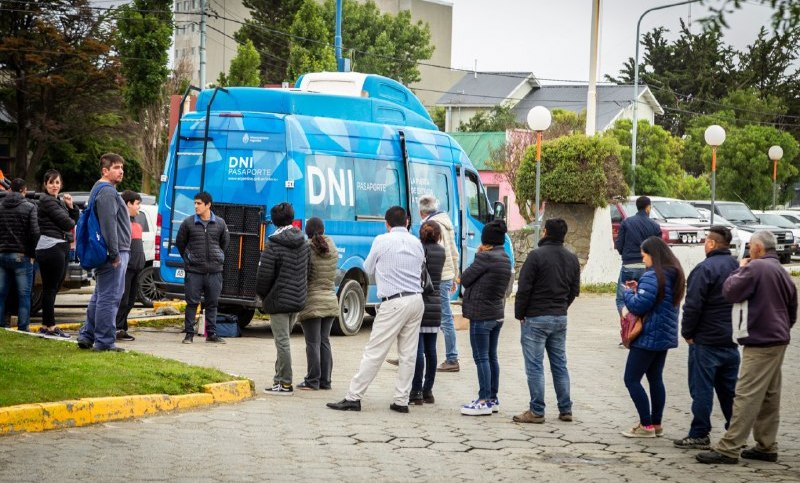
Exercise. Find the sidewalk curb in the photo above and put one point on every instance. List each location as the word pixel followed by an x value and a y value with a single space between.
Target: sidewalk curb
pixel 37 417
pixel 74 326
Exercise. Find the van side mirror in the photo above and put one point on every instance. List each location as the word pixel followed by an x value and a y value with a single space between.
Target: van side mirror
pixel 499 210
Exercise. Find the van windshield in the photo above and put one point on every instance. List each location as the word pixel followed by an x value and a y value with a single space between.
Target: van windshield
pixel 676 209
pixel 737 213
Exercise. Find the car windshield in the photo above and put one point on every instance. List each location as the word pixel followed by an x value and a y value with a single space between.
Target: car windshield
pixel 775 220
pixel 676 209
pixel 630 209
pixel 737 213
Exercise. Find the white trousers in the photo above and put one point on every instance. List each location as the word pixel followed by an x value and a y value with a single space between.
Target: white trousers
pixel 397 319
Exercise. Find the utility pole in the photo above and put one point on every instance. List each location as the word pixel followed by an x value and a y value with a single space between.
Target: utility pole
pixel 591 95
pixel 202 73
pixel 337 39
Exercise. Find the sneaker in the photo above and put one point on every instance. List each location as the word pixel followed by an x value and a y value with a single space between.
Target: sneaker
pixel 754 454
pixel 448 366
pixel 566 417
pixel 59 333
pixel 215 339
pixel 427 397
pixel 476 408
pixel 529 417
pixel 640 431
pixel 659 430
pixel 305 386
pixel 188 339
pixel 495 405
pixel 393 362
pixel 280 390
pixel 123 335
pixel 692 443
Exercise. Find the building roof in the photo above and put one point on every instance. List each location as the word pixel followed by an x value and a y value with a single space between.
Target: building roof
pixel 485 89
pixel 611 101
pixel 479 146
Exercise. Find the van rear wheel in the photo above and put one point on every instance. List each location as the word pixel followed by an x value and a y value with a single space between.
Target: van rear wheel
pixel 351 308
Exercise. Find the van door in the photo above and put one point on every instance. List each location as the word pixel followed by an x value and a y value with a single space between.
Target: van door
pixel 474 214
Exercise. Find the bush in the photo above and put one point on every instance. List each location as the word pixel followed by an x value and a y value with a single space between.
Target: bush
pixel 575 169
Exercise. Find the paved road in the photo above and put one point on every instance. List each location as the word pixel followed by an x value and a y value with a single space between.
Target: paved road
pixel 273 438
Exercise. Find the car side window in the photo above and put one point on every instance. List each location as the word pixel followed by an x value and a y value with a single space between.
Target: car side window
pixel 141 219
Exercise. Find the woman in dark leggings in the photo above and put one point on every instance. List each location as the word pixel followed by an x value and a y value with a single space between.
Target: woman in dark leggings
pixel 656 297
pixel 321 307
pixel 57 217
pixel 422 392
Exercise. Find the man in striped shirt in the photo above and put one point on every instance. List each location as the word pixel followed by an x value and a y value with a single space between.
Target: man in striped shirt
pixel 395 261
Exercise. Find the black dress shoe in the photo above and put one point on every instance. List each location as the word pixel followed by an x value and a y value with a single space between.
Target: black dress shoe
pixel 754 454
pixel 84 344
pixel 714 458
pixel 108 349
pixel 345 405
pixel 398 408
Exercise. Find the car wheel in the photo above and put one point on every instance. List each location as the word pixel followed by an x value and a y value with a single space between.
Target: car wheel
pixel 351 308
pixel 148 289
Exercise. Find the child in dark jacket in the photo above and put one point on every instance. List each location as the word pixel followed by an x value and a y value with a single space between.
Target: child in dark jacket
pixel 136 263
pixel 485 282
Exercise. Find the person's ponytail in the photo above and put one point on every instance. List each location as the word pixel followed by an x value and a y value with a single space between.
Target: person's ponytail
pixel 314 231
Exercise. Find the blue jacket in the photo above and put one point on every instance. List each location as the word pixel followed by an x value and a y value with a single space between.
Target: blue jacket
pixel 706 313
pixel 660 330
pixel 632 232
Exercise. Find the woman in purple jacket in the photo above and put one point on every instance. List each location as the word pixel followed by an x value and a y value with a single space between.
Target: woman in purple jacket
pixel 656 297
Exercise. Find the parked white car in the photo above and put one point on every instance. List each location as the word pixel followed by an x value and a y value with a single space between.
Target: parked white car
pixel 791 215
pixel 780 221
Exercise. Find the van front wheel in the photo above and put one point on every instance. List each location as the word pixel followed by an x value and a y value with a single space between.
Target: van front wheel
pixel 351 308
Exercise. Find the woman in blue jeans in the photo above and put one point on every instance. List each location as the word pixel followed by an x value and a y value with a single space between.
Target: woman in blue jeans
pixel 656 297
pixel 485 282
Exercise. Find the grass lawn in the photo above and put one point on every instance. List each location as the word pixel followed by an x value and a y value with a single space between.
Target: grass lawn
pixel 40 370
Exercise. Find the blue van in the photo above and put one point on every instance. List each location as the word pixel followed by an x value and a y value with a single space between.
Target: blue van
pixel 340 146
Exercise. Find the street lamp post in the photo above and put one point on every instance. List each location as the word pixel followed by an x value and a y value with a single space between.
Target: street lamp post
pixel 715 136
pixel 636 86
pixel 775 154
pixel 539 120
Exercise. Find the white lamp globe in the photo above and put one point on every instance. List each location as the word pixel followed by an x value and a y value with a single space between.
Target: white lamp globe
pixel 539 118
pixel 775 153
pixel 715 135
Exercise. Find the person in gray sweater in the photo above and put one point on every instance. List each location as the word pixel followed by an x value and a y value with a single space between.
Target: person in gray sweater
pixel 99 331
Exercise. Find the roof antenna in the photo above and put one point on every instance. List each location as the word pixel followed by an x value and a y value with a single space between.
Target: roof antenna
pixel 475 71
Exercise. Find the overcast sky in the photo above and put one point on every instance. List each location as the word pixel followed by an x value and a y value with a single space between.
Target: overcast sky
pixel 551 37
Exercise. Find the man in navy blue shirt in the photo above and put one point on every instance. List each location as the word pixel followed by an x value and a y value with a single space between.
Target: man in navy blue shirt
pixel 632 232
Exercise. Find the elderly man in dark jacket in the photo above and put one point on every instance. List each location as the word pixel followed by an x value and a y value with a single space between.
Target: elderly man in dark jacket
pixel 768 299
pixel 19 233
pixel 202 239
pixel 549 281
pixel 706 326
pixel 282 284
pixel 632 232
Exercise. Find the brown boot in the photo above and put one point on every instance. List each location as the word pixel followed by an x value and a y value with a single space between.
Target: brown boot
pixel 528 417
pixel 448 366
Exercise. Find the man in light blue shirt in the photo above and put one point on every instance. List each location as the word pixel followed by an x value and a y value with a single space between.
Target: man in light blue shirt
pixel 395 261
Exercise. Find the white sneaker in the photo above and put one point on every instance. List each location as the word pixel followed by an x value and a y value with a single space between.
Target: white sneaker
pixel 495 403
pixel 476 408
pixel 280 390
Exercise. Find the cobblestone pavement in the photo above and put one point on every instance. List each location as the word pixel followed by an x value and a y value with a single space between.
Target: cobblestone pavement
pixel 287 438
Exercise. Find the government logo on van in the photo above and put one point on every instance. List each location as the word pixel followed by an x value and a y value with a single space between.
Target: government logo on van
pixel 246 138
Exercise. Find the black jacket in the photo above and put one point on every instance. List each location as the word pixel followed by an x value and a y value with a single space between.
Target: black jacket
pixel 203 247
pixel 549 281
pixel 19 226
pixel 434 260
pixel 632 232
pixel 706 313
pixel 485 282
pixel 281 280
pixel 55 219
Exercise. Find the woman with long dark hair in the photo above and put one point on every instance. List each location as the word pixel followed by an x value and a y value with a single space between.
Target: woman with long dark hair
pixel 422 390
pixel 656 298
pixel 57 216
pixel 321 307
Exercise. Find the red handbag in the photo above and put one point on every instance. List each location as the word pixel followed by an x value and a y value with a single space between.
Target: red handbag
pixel 631 326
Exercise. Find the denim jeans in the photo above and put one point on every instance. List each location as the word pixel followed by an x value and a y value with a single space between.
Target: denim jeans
pixel 626 274
pixel 547 332
pixel 101 314
pixel 483 336
pixel 711 369
pixel 18 267
pixel 205 285
pixel 448 326
pixel 426 363
pixel 643 362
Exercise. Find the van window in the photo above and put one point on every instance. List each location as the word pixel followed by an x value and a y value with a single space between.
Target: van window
pixel 377 187
pixel 476 199
pixel 429 180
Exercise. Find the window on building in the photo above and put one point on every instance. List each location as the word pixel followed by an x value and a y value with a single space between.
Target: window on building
pixel 493 193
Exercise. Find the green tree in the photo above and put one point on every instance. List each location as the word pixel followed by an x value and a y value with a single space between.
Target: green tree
pixel 438 114
pixel 267 28
pixel 575 169
pixel 786 16
pixel 58 76
pixel 244 67
pixel 693 187
pixel 565 123
pixel 498 118
pixel 657 153
pixel 306 55
pixel 145 34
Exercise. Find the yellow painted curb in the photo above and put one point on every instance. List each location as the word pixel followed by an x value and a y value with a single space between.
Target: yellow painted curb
pixel 31 418
pixel 74 326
